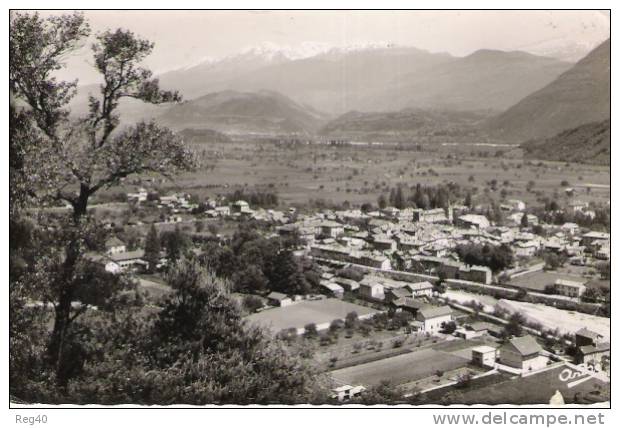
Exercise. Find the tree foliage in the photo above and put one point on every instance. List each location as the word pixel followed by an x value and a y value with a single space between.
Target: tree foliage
pixel 61 159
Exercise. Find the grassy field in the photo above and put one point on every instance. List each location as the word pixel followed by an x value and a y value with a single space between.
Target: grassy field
pixel 360 174
pixel 536 281
pixel 155 287
pixel 400 369
pixel 300 314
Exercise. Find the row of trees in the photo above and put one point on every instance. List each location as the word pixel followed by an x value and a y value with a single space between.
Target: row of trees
pixel 424 197
pixel 256 198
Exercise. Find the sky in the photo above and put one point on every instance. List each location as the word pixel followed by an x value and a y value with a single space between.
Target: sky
pixel 185 38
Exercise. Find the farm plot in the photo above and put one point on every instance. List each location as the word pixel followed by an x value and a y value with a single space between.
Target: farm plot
pixel 536 281
pixel 400 369
pixel 298 315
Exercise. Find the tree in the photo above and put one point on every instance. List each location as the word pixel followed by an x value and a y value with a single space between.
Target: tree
pixel 524 221
pixel 514 326
pixel 449 327
pixel 382 201
pixel 197 350
pixel 383 393
pixel 468 202
pixel 85 155
pixel 152 249
pixel 553 261
pixel 310 331
pixel 604 269
pixel 399 198
pixel 351 320
pixel 176 243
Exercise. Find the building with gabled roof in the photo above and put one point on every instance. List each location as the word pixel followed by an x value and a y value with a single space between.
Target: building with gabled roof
pixel 591 347
pixel 114 245
pixel 432 318
pixel 522 353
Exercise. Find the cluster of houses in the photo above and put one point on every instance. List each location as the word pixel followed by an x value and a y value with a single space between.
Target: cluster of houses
pixel 117 258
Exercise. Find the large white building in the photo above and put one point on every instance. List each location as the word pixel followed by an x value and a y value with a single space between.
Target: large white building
pixel 432 318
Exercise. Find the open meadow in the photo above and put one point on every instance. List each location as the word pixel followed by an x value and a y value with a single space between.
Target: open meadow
pixel 303 173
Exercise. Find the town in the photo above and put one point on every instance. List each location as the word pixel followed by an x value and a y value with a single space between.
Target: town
pixel 430 301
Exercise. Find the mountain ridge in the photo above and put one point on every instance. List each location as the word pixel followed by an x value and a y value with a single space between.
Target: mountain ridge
pixel 578 96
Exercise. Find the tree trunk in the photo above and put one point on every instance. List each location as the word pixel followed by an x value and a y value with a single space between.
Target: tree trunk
pixel 62 319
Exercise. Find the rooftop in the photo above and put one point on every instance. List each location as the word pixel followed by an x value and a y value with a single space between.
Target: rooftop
pixel 525 345
pixel 435 311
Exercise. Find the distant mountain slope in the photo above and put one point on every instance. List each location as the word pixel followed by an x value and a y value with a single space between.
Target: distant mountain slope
pixel 406 122
pixel 578 96
pixel 232 112
pixel 589 143
pixel 486 79
pixel 367 78
pixel 336 81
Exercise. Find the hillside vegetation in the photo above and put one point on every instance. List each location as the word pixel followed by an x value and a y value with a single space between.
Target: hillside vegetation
pixel 590 143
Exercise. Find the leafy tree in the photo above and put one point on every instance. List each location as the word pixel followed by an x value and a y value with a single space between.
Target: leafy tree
pixel 310 331
pixel 553 261
pixel 449 327
pixel 85 155
pixel 524 221
pixel 152 249
pixel 351 320
pixel 495 257
pixel 514 326
pixel 176 243
pixel 604 269
pixel 382 202
pixel 468 202
pixel 198 350
pixel 384 393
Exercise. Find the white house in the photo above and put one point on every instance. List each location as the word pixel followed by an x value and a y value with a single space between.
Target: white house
pixel 332 288
pixel 473 220
pixel 279 299
pixel 346 392
pixel 483 356
pixel 114 246
pixel 371 289
pixel 432 318
pixel 522 353
pixel 130 259
pixel 420 289
pixel 569 288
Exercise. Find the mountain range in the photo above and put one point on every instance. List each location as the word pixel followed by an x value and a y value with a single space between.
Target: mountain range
pixel 578 96
pixel 383 90
pixel 380 78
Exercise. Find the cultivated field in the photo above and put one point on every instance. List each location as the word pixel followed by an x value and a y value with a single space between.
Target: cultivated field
pixel 536 281
pixel 401 369
pixel 358 174
pixel 300 314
